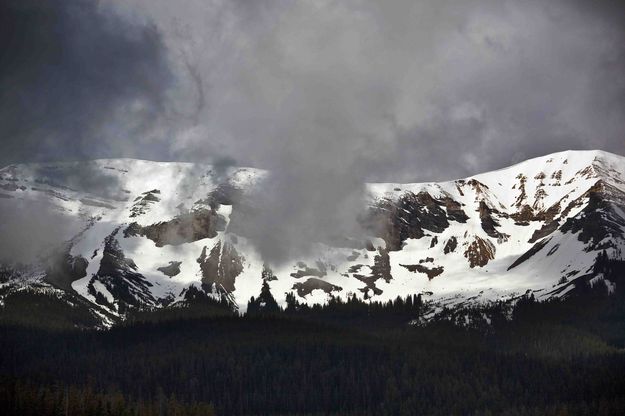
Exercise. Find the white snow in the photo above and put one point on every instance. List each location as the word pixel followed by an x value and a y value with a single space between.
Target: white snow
pixel 557 178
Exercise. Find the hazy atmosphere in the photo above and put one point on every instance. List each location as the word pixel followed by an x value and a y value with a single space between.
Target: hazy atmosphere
pixel 312 207
pixel 326 95
pixel 374 90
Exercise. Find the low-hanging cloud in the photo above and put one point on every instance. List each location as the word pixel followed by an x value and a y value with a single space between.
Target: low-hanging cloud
pixel 327 94
pixel 430 90
pixel 77 81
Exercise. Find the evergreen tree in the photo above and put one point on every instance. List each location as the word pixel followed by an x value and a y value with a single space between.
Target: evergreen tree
pixel 265 303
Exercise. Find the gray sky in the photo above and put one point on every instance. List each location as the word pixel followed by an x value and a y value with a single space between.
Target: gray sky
pixel 405 90
pixel 325 94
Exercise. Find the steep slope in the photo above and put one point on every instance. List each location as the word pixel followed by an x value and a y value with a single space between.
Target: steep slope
pixel 148 231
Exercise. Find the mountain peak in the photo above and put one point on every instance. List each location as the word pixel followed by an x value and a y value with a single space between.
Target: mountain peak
pixel 146 232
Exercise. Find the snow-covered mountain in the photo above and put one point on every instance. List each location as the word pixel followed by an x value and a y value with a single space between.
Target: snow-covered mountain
pixel 152 233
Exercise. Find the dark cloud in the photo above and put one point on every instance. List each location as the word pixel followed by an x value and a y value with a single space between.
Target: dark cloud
pixel 325 95
pixel 31 231
pixel 490 79
pixel 76 80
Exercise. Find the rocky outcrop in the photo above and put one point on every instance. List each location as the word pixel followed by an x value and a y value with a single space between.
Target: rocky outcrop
pixel 381 269
pixel 267 274
pixel 63 269
pixel 522 197
pixel 304 270
pixel 489 223
pixel 142 203
pixel 120 277
pixel 454 210
pixel 305 288
pixel 599 224
pixel 450 245
pixel 171 270
pixel 220 268
pixel 544 231
pixel 185 228
pixel 524 215
pixel 411 216
pixel 479 252
pixel 431 273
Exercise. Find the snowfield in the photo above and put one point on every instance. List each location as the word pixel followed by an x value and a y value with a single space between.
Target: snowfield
pixel 537 226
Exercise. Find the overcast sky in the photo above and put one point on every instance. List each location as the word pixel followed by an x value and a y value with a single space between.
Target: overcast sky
pixel 404 90
pixel 324 94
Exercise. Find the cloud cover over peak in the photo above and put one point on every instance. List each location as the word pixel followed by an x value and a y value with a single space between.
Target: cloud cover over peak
pixel 325 94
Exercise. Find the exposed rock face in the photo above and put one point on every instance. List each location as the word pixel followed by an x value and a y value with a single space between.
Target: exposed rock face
pixel 12 187
pixel 304 270
pixel 544 231
pixel 433 242
pixel 489 223
pixel 381 269
pixel 224 194
pixel 193 226
pixel 305 288
pixel 479 252
pixel 599 224
pixel 522 197
pixel 220 268
pixel 479 188
pixel 142 203
pixel 550 213
pixel 430 272
pixel 411 216
pixel 450 245
pixel 546 217
pixel 267 274
pixel 171 270
pixel 455 211
pixel 63 269
pixel 524 215
pixel 120 276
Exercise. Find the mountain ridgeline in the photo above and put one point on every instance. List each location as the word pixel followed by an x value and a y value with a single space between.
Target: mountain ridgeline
pixel 150 235
pixel 503 293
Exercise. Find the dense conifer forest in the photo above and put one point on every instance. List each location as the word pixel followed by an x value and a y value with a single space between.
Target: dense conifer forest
pixel 344 358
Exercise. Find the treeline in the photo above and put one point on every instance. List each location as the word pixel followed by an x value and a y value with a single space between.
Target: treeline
pixel 353 312
pixel 348 357
pixel 281 364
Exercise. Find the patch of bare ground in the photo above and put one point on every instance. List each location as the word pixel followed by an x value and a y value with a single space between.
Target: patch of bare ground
pixel 305 288
pixel 185 228
pixel 479 252
pixel 418 268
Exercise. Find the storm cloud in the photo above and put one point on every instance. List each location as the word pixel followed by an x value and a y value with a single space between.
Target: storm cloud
pixel 324 94
pixel 427 90
pixel 76 80
pixel 327 95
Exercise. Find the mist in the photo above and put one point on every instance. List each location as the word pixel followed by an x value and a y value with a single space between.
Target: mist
pixel 325 95
pixel 77 81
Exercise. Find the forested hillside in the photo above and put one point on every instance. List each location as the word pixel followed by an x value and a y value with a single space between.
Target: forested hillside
pixel 345 358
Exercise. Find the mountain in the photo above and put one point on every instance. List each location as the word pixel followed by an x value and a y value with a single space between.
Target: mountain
pixel 138 234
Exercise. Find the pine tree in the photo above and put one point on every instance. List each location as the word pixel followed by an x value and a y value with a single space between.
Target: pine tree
pixel 265 303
